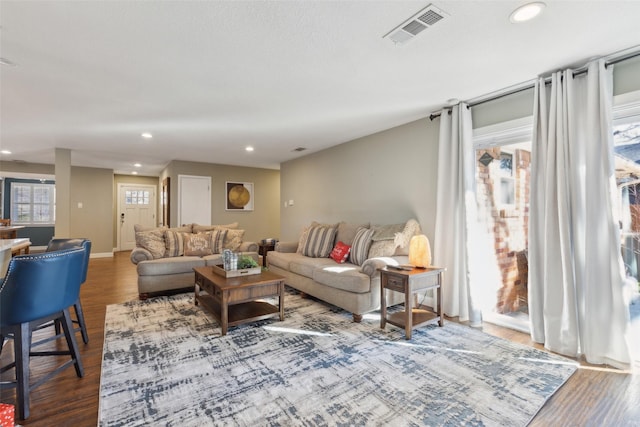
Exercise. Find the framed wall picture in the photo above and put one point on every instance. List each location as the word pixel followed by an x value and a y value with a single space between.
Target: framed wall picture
pixel 239 196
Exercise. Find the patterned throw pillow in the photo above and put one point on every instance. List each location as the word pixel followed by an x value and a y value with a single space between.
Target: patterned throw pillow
pixel 361 245
pixel 340 252
pixel 233 239
pixel 153 241
pixel 197 244
pixel 320 242
pixel 174 242
pixel 217 240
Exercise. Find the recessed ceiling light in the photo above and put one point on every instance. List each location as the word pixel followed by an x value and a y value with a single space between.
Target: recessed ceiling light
pixel 5 152
pixel 526 12
pixel 138 165
pixel 134 173
pixel 147 135
pixel 249 148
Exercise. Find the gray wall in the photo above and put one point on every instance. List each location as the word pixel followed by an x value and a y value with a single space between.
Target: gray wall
pixel 391 176
pixel 388 177
pixel 262 222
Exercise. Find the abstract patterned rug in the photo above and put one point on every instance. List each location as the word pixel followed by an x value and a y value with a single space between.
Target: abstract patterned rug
pixel 165 363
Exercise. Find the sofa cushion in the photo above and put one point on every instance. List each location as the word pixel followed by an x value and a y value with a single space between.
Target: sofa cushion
pixel 361 245
pixel 345 276
pixel 197 228
pixel 340 252
pixel 282 259
pixel 347 232
pixel 153 241
pixel 233 239
pixel 320 242
pixel 159 267
pixel 304 265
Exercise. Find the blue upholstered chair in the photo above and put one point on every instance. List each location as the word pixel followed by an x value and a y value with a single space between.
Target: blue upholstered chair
pixel 36 290
pixel 60 244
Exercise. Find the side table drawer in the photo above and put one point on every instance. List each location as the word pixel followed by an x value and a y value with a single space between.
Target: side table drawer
pixel 395 283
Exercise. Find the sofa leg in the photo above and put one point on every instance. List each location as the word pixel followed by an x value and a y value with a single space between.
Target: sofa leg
pixel 143 296
pixel 303 295
pixel 357 318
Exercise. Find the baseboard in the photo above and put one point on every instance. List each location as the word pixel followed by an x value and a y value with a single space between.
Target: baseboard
pixel 101 255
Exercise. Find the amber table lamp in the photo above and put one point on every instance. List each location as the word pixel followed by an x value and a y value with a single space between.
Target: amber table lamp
pixel 420 251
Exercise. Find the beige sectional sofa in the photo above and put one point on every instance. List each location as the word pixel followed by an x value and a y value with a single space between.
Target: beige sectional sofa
pixel 355 284
pixel 166 257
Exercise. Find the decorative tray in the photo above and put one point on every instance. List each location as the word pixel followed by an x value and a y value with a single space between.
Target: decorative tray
pixel 235 273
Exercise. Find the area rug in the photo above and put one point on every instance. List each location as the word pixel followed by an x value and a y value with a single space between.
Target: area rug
pixel 165 363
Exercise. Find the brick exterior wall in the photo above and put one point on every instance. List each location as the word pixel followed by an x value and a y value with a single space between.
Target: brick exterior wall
pixel 509 223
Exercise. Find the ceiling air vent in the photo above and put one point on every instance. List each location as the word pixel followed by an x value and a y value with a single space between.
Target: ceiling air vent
pixel 413 26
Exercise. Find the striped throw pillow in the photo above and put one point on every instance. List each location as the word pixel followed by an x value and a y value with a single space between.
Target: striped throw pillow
pixel 174 241
pixel 217 240
pixel 320 242
pixel 361 245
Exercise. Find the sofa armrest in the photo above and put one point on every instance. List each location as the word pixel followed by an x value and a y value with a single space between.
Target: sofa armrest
pixel 286 247
pixel 140 254
pixel 248 247
pixel 371 266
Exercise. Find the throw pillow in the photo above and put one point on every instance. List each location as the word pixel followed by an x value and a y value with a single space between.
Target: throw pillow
pixel 305 234
pixel 217 240
pixel 340 252
pixel 402 239
pixel 233 239
pixel 320 242
pixel 174 242
pixel 347 231
pixel 382 248
pixel 197 228
pixel 197 244
pixel 153 241
pixel 361 245
pixel 386 231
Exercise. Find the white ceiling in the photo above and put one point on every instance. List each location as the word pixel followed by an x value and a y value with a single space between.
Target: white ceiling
pixel 208 78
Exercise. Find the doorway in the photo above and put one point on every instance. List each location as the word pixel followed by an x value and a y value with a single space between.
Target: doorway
pixel 502 182
pixel 136 205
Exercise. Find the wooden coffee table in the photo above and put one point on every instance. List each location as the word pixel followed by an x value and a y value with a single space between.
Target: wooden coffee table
pixel 233 301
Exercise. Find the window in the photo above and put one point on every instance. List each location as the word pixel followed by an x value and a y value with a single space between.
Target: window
pixel 139 197
pixel 33 203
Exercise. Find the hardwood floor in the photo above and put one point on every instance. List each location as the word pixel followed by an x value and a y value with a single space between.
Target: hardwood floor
pixel 593 396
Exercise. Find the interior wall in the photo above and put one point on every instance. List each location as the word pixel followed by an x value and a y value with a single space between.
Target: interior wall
pixel 262 222
pixel 388 177
pixel 93 189
pixel 129 179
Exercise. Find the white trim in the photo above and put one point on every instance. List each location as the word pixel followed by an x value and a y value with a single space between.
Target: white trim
pixel 626 107
pixel 504 133
pixel 101 255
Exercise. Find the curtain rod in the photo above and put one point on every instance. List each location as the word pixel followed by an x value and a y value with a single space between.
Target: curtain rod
pixel 530 84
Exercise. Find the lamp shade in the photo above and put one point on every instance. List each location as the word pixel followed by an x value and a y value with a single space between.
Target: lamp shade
pixel 420 251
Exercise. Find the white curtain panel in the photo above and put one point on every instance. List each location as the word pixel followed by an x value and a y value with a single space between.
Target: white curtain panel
pixel 455 209
pixel 576 273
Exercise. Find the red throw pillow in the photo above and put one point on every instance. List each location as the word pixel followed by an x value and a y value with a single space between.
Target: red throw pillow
pixel 340 252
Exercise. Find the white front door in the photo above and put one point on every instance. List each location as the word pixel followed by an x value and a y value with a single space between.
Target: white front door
pixel 136 205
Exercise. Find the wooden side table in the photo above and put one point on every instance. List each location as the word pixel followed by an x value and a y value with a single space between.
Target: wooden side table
pixel 263 248
pixel 409 282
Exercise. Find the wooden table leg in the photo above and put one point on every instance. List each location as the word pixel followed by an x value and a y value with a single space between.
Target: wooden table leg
pixel 439 301
pixel 408 309
pixel 224 313
pixel 281 291
pixel 383 301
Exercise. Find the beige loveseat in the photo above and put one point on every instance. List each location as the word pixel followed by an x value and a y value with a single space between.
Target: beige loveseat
pixel 355 284
pixel 166 257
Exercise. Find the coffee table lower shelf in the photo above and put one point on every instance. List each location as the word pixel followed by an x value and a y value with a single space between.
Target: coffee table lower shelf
pixel 239 313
